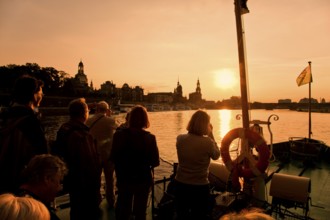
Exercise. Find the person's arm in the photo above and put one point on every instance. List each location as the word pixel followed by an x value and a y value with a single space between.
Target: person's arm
pixel 215 151
pixel 210 134
pixel 154 153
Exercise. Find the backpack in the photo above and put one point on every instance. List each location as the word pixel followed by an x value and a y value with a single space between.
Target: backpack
pixel 12 141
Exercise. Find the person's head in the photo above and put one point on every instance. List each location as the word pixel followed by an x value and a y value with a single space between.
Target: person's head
pixel 44 174
pixel 78 110
pixel 138 117
pixel 247 214
pixel 12 208
pixel 28 90
pixel 199 123
pixel 103 108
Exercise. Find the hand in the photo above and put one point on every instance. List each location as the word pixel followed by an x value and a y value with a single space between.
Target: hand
pixel 210 134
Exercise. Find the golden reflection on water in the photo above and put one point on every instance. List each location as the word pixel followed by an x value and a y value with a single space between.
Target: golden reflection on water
pixel 225 117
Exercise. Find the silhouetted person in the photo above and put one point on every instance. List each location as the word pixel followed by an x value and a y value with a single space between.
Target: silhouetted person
pixel 22 135
pixel 102 127
pixel 44 175
pixel 135 154
pixel 76 146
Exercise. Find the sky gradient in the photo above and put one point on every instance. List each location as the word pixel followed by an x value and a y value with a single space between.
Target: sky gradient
pixel 155 43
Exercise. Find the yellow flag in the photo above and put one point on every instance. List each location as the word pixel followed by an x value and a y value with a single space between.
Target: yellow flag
pixel 305 77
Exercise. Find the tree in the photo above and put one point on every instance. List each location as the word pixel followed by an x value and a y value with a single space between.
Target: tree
pixel 53 79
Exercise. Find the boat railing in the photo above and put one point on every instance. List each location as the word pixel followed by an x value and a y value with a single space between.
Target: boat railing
pixel 257 127
pixel 162 199
pixel 305 148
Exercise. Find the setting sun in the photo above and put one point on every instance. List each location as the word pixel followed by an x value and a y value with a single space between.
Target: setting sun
pixel 225 78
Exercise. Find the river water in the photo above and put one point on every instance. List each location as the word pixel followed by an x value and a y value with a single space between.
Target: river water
pixel 168 124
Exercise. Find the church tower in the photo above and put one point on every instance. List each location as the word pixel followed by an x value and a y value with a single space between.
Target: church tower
pixel 80 82
pixel 198 88
pixel 179 89
pixel 178 93
pixel 81 76
pixel 196 97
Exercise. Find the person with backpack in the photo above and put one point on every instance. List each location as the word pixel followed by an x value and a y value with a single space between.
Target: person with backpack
pixel 102 127
pixel 22 135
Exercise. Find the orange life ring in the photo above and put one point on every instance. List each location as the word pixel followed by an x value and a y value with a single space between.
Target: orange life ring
pixel 253 138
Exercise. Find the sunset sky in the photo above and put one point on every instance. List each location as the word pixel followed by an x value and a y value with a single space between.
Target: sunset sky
pixel 155 43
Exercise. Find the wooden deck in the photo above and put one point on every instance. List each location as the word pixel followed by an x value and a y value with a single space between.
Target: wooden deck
pixel 319 173
pixel 319 203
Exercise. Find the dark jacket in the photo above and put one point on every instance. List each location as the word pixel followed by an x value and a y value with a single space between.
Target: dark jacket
pixel 134 153
pixel 24 140
pixel 75 145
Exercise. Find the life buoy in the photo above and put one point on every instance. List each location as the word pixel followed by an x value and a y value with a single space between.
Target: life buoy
pixel 254 169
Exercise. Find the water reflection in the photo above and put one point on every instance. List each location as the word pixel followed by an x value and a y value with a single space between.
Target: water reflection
pixel 168 125
pixel 52 124
pixel 179 121
pixel 225 117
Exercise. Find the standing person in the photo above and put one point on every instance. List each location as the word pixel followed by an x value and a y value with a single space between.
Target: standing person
pixel 195 150
pixel 22 135
pixel 76 146
pixel 44 175
pixel 135 154
pixel 102 127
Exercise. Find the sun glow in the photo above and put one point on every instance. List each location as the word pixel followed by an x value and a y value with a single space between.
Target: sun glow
pixel 225 78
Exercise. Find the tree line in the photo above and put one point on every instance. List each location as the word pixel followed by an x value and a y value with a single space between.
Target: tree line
pixel 55 81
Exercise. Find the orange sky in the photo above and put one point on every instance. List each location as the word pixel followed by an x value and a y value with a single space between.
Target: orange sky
pixel 152 43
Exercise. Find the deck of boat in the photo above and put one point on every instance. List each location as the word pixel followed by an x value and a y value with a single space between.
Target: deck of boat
pixel 319 203
pixel 107 213
pixel 319 174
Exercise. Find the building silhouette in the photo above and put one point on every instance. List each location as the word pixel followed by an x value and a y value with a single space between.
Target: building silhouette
pixel 196 97
pixel 178 94
pixel 80 81
pixel 128 94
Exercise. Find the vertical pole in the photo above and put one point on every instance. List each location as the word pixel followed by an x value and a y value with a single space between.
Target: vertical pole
pixel 242 71
pixel 242 65
pixel 310 103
